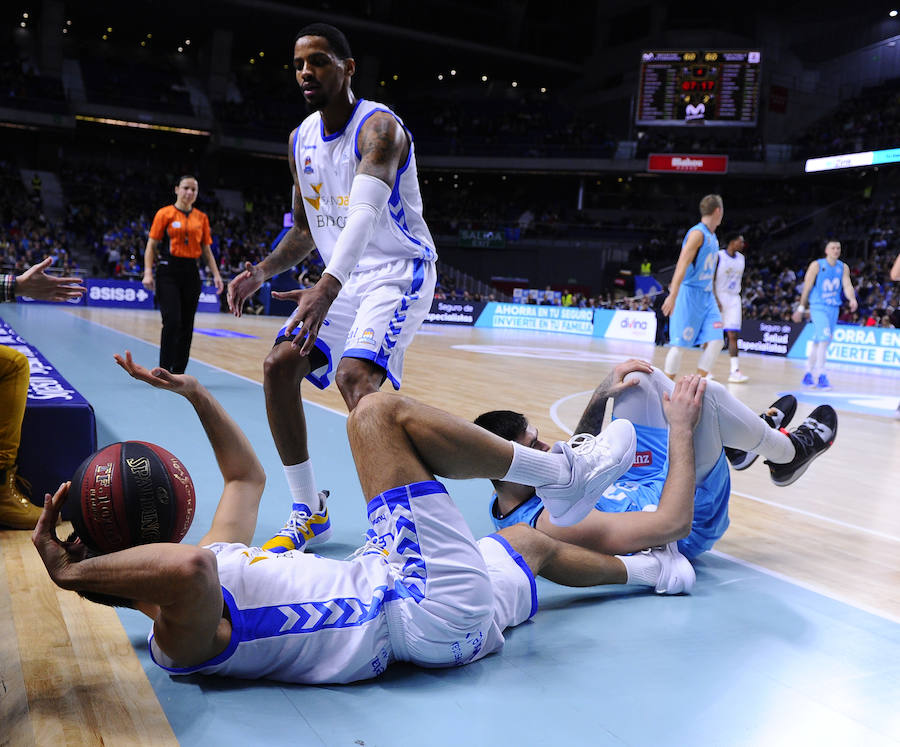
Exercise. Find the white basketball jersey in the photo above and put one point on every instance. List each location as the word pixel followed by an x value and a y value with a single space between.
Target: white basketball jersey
pixel 729 273
pixel 326 165
pixel 298 617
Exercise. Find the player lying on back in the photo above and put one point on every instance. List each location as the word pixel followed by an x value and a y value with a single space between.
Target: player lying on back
pixel 421 589
pixel 654 502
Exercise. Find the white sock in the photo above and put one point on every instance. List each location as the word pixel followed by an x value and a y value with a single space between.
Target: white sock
pixel 536 468
pixel 302 484
pixel 776 447
pixel 709 355
pixel 642 568
pixel 734 364
pixel 821 353
pixel 673 360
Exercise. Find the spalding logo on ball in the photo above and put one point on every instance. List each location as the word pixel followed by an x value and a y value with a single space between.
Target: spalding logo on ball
pixel 131 493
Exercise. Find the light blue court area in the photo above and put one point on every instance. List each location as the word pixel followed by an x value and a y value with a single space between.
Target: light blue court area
pixel 862 402
pixel 748 659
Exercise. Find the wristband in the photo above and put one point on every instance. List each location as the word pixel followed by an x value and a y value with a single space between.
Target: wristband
pixel 801 308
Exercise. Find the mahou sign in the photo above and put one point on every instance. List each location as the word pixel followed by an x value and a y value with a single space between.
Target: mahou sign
pixel 685 164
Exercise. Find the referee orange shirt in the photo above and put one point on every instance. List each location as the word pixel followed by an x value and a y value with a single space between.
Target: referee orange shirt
pixel 188 233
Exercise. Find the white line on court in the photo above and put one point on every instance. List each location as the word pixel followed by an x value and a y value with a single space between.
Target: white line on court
pixel 198 360
pixel 809 587
pixel 819 517
pixel 554 410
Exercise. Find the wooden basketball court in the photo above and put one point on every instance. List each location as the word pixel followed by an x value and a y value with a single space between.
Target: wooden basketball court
pixel 68 670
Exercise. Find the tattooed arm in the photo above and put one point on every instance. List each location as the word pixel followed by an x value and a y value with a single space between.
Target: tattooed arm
pixel 613 385
pixel 383 146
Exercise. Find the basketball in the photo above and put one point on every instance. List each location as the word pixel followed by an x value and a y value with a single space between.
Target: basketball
pixel 130 493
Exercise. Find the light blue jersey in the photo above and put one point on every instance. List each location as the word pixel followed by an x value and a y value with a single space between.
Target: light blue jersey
pixel 825 299
pixel 696 319
pixel 642 485
pixel 826 291
pixel 701 271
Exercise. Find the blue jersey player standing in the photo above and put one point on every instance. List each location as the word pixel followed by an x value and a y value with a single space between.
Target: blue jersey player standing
pixel 691 304
pixel 822 285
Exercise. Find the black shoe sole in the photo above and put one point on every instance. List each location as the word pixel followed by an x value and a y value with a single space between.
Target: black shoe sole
pixel 796 475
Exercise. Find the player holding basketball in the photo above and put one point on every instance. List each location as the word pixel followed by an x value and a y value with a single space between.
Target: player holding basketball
pixel 822 284
pixel 667 494
pixel 727 289
pixel 691 305
pixel 421 589
pixel 356 198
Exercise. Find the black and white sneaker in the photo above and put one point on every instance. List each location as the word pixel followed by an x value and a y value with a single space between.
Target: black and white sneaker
pixel 778 415
pixel 811 438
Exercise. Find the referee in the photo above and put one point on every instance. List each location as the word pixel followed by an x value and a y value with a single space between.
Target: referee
pixel 177 282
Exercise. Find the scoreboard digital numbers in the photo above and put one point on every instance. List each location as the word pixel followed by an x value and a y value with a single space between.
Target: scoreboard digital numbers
pixel 699 87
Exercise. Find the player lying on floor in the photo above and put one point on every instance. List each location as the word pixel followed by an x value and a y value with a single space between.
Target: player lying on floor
pixel 421 589
pixel 652 503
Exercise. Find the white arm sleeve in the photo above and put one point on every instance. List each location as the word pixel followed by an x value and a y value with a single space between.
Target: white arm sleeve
pixel 368 197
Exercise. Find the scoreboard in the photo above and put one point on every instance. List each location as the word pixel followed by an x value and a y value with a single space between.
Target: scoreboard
pixel 699 87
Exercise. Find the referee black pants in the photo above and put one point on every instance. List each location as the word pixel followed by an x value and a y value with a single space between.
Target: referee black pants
pixel 177 294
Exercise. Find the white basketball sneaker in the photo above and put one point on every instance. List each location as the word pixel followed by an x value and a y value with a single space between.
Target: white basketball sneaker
pixel 597 462
pixel 676 574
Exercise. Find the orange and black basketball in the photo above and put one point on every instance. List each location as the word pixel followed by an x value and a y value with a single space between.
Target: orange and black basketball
pixel 130 493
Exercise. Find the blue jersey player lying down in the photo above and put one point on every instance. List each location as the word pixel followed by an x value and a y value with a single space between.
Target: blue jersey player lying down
pixel 654 502
pixel 421 589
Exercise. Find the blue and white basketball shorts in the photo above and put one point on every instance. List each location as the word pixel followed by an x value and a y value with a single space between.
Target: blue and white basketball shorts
pixel 824 318
pixel 731 311
pixel 695 319
pixel 375 317
pixel 452 596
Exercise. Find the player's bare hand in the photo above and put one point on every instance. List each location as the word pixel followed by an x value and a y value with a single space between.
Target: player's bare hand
pixel 35 283
pixel 668 306
pixel 243 286
pixel 797 316
pixel 56 554
pixel 312 306
pixel 622 370
pixel 148 282
pixel 158 377
pixel 683 407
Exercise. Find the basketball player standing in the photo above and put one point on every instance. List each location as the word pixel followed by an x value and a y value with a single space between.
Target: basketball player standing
pixel 691 305
pixel 356 198
pixel 727 289
pixel 822 284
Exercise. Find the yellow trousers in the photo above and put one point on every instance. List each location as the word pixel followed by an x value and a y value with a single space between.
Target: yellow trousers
pixel 14 374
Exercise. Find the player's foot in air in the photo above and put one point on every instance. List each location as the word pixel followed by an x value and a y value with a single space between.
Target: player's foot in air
pixel 596 462
pixel 304 528
pixel 811 439
pixel 778 415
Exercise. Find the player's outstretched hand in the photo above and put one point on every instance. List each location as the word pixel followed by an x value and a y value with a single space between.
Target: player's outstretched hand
pixel 158 377
pixel 683 407
pixel 56 554
pixel 242 286
pixel 312 306
pixel 36 283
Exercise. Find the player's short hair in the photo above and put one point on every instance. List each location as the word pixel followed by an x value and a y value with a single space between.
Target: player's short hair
pixel 733 237
pixel 830 241
pixel 504 423
pixel 709 204
pixel 186 176
pixel 334 36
